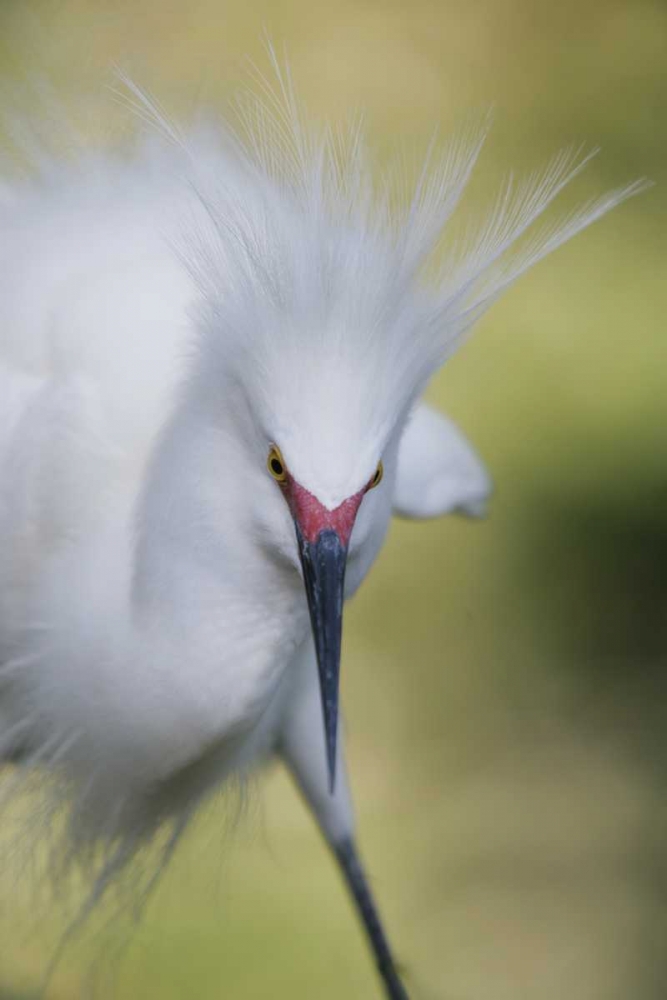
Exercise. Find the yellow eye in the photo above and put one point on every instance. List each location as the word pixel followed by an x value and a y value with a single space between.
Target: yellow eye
pixel 377 477
pixel 276 465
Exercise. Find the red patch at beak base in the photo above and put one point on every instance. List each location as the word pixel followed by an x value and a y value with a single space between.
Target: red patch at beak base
pixel 313 517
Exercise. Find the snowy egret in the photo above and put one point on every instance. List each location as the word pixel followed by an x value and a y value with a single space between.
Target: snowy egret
pixel 213 350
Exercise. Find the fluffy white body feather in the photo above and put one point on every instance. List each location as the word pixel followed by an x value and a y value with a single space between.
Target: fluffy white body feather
pixel 165 315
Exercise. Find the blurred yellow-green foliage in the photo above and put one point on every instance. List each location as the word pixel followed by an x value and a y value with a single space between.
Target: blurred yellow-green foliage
pixel 504 682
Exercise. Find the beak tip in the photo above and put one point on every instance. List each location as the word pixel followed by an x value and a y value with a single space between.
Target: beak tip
pixel 331 768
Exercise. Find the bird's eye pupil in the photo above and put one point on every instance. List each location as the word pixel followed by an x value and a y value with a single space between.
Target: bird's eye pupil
pixel 276 465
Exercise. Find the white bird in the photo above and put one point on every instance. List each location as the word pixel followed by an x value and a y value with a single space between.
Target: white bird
pixel 212 352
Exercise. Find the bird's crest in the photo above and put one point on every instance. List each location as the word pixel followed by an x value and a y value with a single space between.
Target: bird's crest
pixel 305 227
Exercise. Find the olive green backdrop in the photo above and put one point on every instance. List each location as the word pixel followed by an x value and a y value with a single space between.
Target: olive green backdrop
pixel 504 682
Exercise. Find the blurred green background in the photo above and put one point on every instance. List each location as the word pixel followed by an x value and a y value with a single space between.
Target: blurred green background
pixel 504 682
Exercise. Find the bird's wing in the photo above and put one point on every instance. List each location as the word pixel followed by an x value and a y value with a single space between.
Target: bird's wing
pixel 438 470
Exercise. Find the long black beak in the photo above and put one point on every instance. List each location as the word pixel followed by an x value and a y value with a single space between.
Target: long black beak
pixel 323 563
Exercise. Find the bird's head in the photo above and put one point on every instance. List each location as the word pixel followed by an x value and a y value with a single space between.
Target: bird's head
pixel 311 332
pixel 321 428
